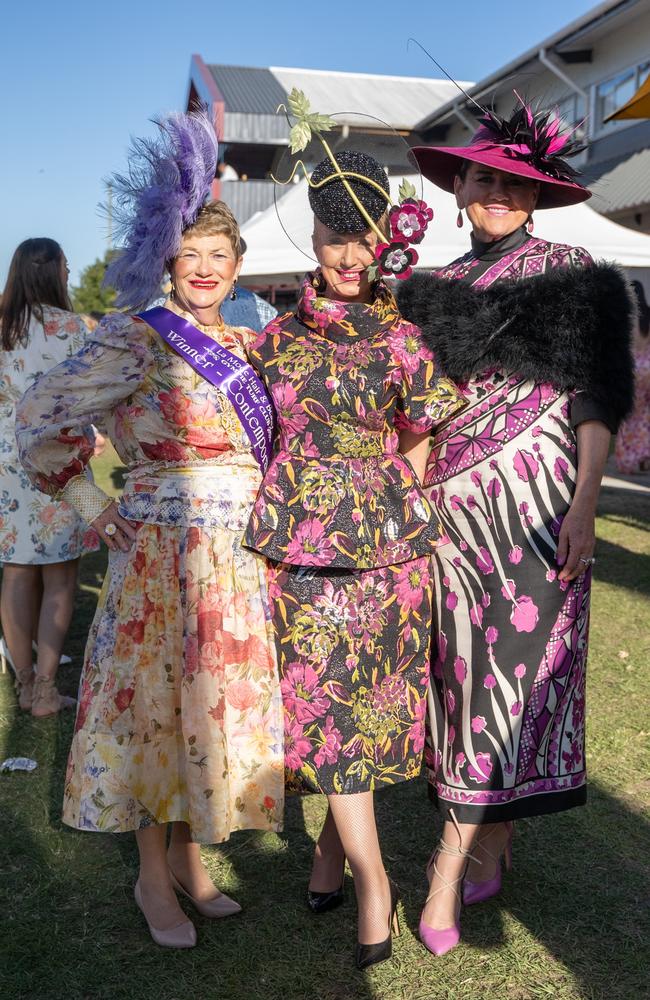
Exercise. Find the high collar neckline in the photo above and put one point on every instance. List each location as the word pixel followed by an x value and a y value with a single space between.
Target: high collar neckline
pixel 499 248
pixel 345 321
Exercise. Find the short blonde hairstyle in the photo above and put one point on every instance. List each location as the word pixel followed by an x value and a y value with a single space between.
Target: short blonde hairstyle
pixel 214 218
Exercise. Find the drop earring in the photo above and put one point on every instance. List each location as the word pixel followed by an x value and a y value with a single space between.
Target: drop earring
pixel 459 219
pixel 233 294
pixel 530 225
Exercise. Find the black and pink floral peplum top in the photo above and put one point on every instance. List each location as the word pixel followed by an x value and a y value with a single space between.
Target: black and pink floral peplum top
pixel 345 380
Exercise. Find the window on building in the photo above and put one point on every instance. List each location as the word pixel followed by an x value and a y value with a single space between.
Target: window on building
pixel 617 91
pixel 613 93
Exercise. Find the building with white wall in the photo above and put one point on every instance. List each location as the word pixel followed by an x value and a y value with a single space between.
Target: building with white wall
pixel 588 69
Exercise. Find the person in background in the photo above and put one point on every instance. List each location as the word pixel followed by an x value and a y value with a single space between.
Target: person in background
pixel 245 308
pixel 633 438
pixel 41 539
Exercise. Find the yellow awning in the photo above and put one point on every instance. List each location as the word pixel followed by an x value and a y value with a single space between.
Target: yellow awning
pixel 637 107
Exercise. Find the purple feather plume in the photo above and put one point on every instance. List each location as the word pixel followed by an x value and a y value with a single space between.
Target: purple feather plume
pixel 168 183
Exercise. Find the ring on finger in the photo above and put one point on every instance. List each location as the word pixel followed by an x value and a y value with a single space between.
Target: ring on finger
pixel 588 561
pixel 110 529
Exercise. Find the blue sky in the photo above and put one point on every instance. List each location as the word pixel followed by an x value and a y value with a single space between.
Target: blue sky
pixel 78 78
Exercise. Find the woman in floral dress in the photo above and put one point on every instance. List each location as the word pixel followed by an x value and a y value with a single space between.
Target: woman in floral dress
pixel 40 539
pixel 537 337
pixel 179 717
pixel 343 519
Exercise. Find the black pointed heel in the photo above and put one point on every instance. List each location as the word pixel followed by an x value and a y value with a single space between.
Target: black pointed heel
pixel 371 954
pixel 321 902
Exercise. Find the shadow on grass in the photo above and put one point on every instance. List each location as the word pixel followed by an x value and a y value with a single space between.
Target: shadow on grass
pixel 579 886
pixel 622 567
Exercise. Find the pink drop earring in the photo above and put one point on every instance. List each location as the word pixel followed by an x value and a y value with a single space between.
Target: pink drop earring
pixel 530 225
pixel 459 219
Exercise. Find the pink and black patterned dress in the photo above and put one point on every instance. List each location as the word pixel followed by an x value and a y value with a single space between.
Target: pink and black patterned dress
pixel 349 532
pixel 507 706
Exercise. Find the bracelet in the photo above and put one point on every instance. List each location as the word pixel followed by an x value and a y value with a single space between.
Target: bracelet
pixel 87 499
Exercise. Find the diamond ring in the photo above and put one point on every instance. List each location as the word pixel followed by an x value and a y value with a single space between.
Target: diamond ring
pixel 588 562
pixel 110 529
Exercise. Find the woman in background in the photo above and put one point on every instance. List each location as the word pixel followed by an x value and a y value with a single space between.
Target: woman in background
pixel 633 438
pixel 40 539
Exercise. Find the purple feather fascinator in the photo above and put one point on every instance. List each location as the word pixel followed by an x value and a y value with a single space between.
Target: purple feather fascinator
pixel 167 184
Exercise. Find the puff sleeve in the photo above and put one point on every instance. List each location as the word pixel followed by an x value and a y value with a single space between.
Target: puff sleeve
pixel 52 416
pixel 426 397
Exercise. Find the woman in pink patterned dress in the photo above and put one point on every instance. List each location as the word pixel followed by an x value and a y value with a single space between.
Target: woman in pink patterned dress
pixel 537 337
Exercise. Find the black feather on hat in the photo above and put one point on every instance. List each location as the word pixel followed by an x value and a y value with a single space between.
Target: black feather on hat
pixel 332 204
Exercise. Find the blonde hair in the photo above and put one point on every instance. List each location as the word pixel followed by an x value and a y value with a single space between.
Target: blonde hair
pixel 214 218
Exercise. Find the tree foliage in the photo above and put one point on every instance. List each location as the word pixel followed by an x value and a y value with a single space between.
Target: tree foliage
pixel 90 296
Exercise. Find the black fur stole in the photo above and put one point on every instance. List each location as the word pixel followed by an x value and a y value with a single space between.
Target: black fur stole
pixel 570 328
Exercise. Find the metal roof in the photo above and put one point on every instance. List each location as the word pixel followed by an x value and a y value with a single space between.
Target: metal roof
pixel 248 89
pixel 626 186
pixel 399 101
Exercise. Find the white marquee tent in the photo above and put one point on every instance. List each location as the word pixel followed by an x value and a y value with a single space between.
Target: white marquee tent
pixel 272 260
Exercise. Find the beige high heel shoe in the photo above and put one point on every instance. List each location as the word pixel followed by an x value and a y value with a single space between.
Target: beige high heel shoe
pixel 214 909
pixel 47 700
pixel 23 679
pixel 183 935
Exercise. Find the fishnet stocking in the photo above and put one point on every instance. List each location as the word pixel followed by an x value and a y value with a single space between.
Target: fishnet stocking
pixel 354 818
pixel 329 858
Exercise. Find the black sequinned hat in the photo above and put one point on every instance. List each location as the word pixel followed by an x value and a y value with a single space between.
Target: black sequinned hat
pixel 332 204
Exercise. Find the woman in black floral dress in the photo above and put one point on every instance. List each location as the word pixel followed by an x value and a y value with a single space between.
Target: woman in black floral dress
pixel 343 519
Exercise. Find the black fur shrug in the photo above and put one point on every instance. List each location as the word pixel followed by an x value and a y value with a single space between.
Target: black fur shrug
pixel 571 328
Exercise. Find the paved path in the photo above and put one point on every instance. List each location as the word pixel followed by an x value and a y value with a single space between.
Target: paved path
pixel 615 481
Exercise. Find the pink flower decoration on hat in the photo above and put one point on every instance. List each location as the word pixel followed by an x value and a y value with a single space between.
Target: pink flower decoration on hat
pixel 409 220
pixel 396 259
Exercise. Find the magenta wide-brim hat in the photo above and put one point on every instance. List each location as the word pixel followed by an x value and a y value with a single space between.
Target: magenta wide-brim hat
pixel 440 164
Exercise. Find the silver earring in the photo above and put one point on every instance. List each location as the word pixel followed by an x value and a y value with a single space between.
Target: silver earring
pixel 233 294
pixel 459 219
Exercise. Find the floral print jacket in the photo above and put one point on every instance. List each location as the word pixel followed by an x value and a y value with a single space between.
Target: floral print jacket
pixel 345 380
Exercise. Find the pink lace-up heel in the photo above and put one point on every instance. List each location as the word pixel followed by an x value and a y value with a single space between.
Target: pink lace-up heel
pixel 439 942
pixel 478 892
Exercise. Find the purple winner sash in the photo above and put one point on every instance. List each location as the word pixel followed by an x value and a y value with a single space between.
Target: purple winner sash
pixel 235 378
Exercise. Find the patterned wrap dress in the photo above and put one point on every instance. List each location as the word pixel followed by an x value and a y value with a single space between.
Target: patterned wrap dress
pixel 350 535
pixel 180 712
pixel 507 706
pixel 35 529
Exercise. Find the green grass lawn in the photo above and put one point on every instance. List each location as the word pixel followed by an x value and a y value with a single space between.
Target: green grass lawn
pixel 572 921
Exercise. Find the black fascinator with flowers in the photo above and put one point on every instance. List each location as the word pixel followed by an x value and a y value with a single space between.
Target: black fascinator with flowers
pixel 349 192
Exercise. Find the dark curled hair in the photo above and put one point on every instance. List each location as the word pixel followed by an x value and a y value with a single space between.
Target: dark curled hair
pixel 463 167
pixel 35 280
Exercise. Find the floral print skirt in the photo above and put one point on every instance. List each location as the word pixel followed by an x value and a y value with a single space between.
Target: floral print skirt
pixel 353 652
pixel 180 710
